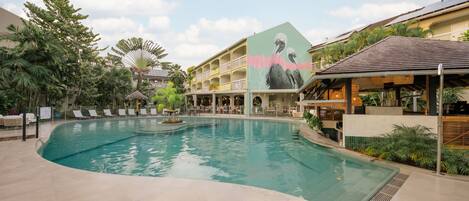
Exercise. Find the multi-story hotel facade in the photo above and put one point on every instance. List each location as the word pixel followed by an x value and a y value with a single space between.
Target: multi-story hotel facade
pixel 259 74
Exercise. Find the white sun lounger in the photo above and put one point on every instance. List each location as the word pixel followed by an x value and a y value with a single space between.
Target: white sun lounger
pixel 94 114
pixel 143 111
pixel 153 111
pixel 121 112
pixel 79 115
pixel 107 113
pixel 131 112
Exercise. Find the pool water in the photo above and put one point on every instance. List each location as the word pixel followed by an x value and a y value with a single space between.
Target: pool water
pixel 258 153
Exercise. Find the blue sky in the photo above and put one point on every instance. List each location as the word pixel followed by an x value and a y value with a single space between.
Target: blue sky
pixel 192 30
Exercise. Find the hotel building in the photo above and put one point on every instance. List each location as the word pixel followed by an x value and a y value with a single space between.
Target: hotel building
pixel 259 74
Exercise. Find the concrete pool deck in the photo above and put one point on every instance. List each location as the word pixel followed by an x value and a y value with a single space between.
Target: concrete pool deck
pixel 25 175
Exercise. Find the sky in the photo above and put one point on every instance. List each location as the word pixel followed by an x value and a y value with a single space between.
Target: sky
pixel 193 30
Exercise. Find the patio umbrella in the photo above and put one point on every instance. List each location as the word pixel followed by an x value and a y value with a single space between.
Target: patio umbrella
pixel 137 96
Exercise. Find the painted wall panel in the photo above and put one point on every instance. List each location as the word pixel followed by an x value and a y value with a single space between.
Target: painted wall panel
pixel 278 58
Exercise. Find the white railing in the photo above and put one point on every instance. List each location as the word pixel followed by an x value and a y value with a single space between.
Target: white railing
pixel 238 62
pixel 239 84
pixel 206 74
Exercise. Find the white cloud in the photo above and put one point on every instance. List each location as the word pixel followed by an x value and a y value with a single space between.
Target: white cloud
pixel 371 12
pixel 239 25
pixel 104 25
pixel 15 9
pixel 191 51
pixel 159 23
pixel 126 7
pixel 319 35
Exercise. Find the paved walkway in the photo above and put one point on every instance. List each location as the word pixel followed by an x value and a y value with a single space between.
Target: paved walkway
pixel 24 175
pixel 428 187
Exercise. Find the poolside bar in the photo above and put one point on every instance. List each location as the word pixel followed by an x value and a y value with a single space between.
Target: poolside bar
pixel 403 73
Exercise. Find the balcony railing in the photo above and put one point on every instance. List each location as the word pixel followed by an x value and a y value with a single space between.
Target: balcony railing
pixel 239 62
pixel 236 63
pixel 239 84
pixel 214 71
pixel 225 87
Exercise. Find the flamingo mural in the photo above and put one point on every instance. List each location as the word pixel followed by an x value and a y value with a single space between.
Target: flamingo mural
pixel 285 66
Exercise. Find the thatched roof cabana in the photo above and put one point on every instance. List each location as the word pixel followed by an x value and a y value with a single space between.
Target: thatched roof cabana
pixel 136 95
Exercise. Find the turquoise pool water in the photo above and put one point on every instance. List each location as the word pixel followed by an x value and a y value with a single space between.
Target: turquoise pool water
pixel 258 153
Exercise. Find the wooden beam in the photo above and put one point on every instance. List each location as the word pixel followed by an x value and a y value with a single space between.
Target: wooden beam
pixel 348 95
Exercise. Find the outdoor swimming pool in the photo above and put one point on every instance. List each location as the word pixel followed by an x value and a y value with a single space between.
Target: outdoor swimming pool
pixel 258 153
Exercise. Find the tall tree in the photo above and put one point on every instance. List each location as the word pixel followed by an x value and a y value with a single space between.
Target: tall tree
pixel 61 19
pixel 177 76
pixel 335 52
pixel 139 55
pixel 28 69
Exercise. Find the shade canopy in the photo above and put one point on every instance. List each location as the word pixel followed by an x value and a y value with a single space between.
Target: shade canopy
pixel 136 95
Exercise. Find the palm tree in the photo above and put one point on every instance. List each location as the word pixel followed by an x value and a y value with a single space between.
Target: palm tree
pixel 139 56
pixel 177 76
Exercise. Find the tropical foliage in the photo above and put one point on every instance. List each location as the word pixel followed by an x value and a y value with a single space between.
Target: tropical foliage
pixel 177 76
pixel 54 61
pixel 139 55
pixel 168 97
pixel 417 146
pixel 313 121
pixel 465 36
pixel 371 99
pixel 359 40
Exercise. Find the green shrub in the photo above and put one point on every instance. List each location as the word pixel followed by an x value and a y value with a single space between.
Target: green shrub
pixel 313 121
pixel 418 146
pixel 455 161
pixel 161 106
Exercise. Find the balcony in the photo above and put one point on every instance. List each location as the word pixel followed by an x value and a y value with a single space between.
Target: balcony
pixel 239 62
pixel 236 63
pixel 225 87
pixel 214 72
pixel 239 84
pixel 206 74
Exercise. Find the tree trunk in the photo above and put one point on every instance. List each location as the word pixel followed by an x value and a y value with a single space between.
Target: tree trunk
pixel 139 80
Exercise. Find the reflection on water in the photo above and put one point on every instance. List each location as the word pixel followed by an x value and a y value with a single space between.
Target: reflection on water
pixel 258 153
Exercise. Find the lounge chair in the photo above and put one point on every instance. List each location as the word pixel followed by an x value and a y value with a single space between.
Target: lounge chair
pixel 131 112
pixel 121 112
pixel 93 114
pixel 107 113
pixel 143 111
pixel 79 115
pixel 30 117
pixel 153 111
pixel 13 121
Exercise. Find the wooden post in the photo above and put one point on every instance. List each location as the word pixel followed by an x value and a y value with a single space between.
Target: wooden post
pixel 348 95
pixel 397 91
pixel 431 93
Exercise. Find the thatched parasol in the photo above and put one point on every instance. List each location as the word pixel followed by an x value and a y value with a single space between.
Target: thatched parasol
pixel 136 95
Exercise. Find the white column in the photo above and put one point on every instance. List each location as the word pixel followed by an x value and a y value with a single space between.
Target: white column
pixel 302 107
pixel 195 100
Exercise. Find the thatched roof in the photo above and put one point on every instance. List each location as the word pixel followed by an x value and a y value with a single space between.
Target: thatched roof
pixel 136 95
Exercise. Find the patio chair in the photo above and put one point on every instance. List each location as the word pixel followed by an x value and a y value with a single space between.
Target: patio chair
pixel 30 117
pixel 121 112
pixel 131 112
pixel 165 111
pixel 107 113
pixel 153 111
pixel 94 114
pixel 177 111
pixel 143 111
pixel 79 115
